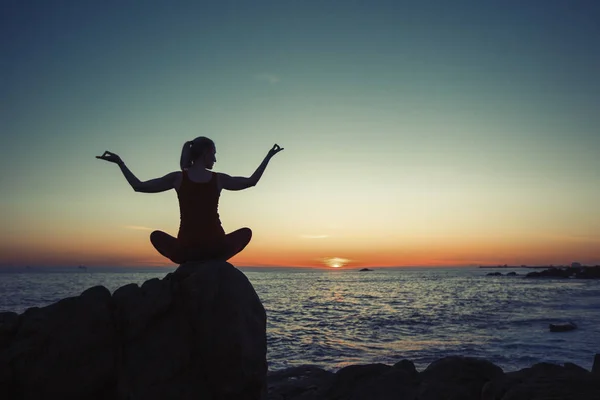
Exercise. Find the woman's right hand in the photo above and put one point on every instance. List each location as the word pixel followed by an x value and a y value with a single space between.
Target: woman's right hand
pixel 110 157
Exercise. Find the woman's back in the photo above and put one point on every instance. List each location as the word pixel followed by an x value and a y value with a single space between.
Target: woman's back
pixel 198 208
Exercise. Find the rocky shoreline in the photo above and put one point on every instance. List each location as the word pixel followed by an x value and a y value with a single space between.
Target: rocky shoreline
pixel 200 333
pixel 557 272
pixel 464 378
pixel 568 272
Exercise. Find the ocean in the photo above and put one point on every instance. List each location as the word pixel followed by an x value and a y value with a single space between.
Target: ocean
pixel 333 318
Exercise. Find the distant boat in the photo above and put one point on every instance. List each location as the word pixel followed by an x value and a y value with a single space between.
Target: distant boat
pixel 562 327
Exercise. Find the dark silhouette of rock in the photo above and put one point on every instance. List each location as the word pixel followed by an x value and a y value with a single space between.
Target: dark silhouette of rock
pixel 494 274
pixel 65 350
pixel 551 273
pixel 570 272
pixel 304 382
pixel 407 367
pixel 512 273
pixel 464 377
pixel 587 272
pixel 374 381
pixel 365 270
pixel 574 367
pixel 569 326
pixel 596 365
pixel 544 381
pixel 197 333
pixel 448 378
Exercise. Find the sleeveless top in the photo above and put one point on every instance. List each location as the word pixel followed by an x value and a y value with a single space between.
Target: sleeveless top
pixel 198 208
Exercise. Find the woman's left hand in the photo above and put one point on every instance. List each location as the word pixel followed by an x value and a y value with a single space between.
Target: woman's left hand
pixel 276 149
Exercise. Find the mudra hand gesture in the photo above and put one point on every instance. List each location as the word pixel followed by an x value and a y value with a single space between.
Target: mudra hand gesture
pixel 276 149
pixel 110 157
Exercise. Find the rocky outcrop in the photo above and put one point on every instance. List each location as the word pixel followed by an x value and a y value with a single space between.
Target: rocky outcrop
pixel 198 333
pixel 566 327
pixel 570 272
pixel 463 378
pixel 544 381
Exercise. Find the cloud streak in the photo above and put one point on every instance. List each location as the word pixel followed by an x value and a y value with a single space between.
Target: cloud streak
pixel 271 78
pixel 138 228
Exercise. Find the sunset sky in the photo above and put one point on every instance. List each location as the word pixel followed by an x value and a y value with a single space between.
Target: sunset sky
pixel 416 133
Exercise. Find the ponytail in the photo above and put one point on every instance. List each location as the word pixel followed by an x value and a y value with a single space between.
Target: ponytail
pixel 194 149
pixel 186 156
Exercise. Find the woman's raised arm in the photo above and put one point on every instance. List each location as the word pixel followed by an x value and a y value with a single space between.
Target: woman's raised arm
pixel 161 184
pixel 240 183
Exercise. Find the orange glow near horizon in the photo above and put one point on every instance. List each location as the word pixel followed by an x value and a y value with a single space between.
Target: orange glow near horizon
pixel 131 247
pixel 141 253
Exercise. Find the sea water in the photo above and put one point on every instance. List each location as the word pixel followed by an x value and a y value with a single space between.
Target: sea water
pixel 333 318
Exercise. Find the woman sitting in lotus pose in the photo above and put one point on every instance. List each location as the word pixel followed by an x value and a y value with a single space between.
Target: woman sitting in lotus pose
pixel 201 236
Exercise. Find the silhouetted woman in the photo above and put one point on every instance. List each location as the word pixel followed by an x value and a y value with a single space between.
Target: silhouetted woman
pixel 201 236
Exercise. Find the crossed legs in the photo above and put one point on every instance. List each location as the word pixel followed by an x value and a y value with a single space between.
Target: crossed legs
pixel 223 250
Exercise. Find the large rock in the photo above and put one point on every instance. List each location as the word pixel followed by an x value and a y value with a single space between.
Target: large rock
pixel 65 350
pixel 197 334
pixel 306 382
pixel 596 365
pixel 544 381
pixel 354 382
pixel 457 378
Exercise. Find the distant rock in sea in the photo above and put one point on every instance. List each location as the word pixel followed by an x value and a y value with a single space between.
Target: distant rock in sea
pixel 200 332
pixel 569 326
pixel 365 269
pixel 512 273
pixel 568 272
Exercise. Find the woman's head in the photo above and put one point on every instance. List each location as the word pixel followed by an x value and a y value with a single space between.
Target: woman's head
pixel 198 151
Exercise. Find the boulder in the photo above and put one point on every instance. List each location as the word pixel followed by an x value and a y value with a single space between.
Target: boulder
pixel 588 272
pixel 568 326
pixel 199 334
pixel 552 273
pixel 65 350
pixel 299 383
pixel 374 382
pixel 574 367
pixel 544 381
pixel 457 377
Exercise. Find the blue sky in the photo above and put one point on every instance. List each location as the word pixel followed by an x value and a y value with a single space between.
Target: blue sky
pixel 419 132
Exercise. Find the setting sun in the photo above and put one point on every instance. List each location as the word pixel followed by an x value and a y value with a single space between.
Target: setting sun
pixel 335 262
